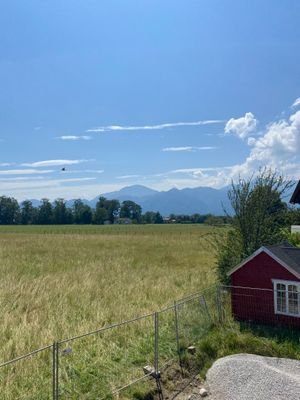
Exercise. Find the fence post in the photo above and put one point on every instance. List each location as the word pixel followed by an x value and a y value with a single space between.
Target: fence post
pixel 55 371
pixel 156 338
pixel 203 304
pixel 57 374
pixel 177 333
pixel 220 304
pixel 156 357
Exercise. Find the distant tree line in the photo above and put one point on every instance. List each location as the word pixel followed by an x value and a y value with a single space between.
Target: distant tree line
pixel 105 212
pixel 209 219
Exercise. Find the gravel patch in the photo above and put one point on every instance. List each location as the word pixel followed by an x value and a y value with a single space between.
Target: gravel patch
pixel 252 377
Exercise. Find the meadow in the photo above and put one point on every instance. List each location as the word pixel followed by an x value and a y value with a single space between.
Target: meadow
pixel 60 281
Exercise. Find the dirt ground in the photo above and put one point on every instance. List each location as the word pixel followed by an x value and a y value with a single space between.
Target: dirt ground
pixel 176 386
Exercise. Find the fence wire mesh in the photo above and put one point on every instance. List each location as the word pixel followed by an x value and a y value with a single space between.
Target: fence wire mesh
pixel 167 338
pixel 195 316
pixel 102 363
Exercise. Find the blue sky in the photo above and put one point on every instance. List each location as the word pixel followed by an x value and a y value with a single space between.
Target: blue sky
pixel 159 93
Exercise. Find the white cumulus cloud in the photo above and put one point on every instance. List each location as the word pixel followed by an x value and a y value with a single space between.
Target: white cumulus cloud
pixel 241 127
pixel 280 144
pixel 251 141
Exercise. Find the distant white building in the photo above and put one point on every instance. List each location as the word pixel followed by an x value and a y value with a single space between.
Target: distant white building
pixel 123 221
pixel 295 228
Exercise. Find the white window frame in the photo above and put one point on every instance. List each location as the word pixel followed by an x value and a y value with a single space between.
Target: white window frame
pixel 286 283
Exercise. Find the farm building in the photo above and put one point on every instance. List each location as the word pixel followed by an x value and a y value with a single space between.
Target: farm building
pixel 266 286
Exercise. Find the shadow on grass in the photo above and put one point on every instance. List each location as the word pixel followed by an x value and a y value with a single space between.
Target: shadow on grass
pixel 281 334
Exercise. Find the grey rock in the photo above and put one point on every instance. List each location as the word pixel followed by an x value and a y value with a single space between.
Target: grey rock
pixel 252 377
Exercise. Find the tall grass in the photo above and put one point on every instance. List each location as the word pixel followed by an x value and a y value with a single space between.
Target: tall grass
pixel 60 281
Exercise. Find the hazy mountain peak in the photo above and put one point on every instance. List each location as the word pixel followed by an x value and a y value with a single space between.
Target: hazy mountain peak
pixel 137 190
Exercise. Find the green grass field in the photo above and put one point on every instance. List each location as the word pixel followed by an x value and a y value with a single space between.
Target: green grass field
pixel 60 281
pixel 57 281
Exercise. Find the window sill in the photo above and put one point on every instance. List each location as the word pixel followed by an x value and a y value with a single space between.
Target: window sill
pixel 287 314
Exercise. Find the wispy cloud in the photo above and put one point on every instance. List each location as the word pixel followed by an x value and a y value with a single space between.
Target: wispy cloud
pixel 52 163
pixel 24 171
pixel 128 176
pixel 296 103
pixel 189 148
pixel 76 180
pixel 198 171
pixel 6 164
pixel 21 178
pixel 53 188
pixel 84 171
pixel 39 183
pixel 74 138
pixel 193 177
pixel 110 128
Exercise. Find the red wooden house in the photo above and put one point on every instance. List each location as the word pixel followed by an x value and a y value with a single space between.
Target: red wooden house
pixel 266 286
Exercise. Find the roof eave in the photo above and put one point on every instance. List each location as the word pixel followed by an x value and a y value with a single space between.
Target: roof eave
pixel 295 199
pixel 267 251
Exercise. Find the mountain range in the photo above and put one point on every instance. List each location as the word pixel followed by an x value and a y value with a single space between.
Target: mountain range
pixel 201 200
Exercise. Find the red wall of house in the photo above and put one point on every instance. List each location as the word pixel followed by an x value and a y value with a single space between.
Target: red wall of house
pixel 256 304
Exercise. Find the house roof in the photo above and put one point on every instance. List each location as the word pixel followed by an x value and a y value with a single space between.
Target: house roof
pixel 285 254
pixel 296 195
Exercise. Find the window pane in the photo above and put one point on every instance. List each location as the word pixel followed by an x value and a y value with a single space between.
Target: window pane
pixel 280 286
pixel 281 297
pixel 293 297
